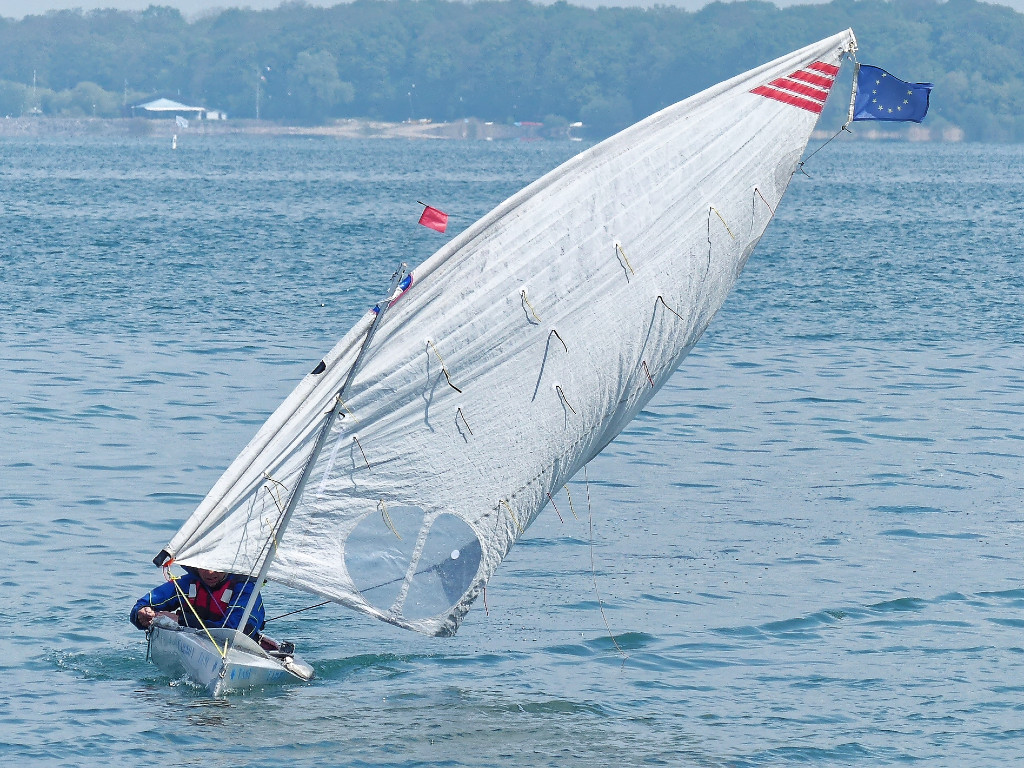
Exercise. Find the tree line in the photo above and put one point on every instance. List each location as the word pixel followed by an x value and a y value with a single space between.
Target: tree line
pixel 503 61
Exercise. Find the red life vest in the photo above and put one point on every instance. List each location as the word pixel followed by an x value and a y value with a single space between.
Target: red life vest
pixel 212 605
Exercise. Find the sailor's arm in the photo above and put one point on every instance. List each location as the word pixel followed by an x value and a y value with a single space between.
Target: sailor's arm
pixel 162 601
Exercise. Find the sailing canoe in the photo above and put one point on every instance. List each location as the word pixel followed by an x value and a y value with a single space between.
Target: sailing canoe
pixel 398 474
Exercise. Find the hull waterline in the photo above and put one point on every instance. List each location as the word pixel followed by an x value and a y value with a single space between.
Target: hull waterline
pixel 190 652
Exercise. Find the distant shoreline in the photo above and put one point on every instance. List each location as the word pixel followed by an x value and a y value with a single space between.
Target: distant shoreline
pixel 351 128
pixel 363 128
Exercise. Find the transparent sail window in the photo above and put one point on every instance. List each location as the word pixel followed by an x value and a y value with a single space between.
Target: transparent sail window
pixel 379 559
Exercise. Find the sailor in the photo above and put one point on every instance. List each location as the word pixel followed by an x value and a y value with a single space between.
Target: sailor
pixel 202 598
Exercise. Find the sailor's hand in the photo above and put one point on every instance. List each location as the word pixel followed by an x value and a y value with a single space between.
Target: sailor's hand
pixel 145 616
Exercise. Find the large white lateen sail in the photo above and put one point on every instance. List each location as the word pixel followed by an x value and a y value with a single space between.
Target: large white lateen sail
pixel 398 474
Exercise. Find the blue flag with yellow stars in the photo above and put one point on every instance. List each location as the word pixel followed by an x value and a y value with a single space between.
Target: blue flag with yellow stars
pixel 880 96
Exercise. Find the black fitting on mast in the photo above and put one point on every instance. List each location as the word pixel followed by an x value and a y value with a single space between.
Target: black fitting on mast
pixel 162 558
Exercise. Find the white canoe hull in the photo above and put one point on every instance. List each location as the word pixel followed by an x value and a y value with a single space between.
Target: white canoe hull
pixel 181 651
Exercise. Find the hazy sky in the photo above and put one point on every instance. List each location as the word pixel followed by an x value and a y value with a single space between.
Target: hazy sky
pixel 19 8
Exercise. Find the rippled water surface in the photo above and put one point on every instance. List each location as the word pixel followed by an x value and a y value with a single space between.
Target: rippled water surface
pixel 807 549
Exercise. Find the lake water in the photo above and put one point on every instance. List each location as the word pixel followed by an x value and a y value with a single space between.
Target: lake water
pixel 808 548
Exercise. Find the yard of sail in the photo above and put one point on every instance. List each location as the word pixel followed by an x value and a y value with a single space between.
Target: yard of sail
pixel 520 350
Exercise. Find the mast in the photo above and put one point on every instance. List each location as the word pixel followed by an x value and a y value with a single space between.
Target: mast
pixel 325 430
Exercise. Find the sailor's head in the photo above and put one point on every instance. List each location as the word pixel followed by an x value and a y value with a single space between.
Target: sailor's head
pixel 211 578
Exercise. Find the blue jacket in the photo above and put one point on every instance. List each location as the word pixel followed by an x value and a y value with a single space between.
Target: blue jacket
pixel 214 612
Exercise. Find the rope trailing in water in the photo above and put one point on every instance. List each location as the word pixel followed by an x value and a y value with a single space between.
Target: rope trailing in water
pixel 571 508
pixel 593 570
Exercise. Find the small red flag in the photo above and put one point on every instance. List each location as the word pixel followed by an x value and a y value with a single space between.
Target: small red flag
pixel 433 218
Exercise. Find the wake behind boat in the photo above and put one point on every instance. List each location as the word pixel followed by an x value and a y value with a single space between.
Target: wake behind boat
pixel 402 469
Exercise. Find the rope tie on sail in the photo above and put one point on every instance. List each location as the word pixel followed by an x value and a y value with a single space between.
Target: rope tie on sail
pixel 387 519
pixel 758 193
pixel 561 394
pixel 555 507
pixel 722 218
pixel 753 210
pixel 346 408
pixel 444 368
pixel 648 372
pixel 527 302
pixel 513 514
pixel 356 440
pixel 273 491
pixel 275 482
pixel 593 569
pixel 460 413
pixel 622 253
pixel 662 300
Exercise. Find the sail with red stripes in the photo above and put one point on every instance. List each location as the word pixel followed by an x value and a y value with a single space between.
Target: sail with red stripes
pixel 402 469
pixel 806 88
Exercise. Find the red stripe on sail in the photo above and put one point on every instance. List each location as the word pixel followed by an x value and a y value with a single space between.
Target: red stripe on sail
pixel 809 77
pixel 804 90
pixel 825 69
pixel 789 98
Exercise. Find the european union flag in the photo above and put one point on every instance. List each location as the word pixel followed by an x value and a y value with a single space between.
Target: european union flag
pixel 880 96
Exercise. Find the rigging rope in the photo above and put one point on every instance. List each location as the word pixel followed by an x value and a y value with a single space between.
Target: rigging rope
pixel 593 570
pixel 300 610
pixel 852 53
pixel 184 598
pixel 800 165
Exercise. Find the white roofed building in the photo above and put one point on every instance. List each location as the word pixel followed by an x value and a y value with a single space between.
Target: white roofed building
pixel 167 108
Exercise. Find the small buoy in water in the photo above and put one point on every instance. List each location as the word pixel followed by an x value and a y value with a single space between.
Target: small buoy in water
pixel 455 554
pixel 174 141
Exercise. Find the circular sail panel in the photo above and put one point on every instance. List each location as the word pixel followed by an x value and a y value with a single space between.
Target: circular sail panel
pixel 410 567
